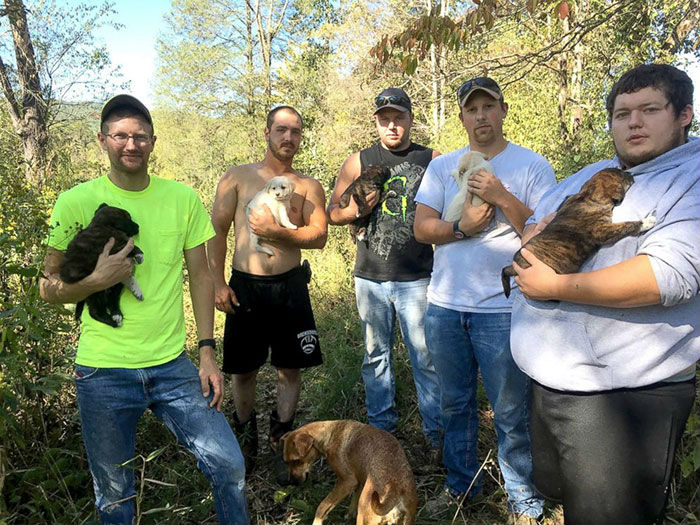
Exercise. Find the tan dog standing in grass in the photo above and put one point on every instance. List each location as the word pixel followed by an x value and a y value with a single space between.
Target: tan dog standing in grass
pixel 368 461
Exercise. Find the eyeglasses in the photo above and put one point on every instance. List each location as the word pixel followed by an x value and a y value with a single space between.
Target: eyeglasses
pixel 479 81
pixel 397 100
pixel 140 139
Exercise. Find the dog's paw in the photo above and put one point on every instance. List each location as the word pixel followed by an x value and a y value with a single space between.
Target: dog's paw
pixel 292 226
pixel 117 319
pixel 648 223
pixel 138 258
pixel 139 295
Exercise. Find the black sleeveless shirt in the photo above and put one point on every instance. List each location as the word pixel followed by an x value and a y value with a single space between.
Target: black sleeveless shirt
pixel 391 252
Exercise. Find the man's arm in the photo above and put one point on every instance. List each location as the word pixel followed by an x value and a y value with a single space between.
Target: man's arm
pixel 314 232
pixel 429 228
pixel 109 270
pixel 533 229
pixel 349 171
pixel 489 187
pixel 222 214
pixel 626 284
pixel 202 293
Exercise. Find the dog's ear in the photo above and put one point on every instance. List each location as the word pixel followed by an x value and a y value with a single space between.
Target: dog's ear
pixel 292 187
pixel 102 206
pixel 297 445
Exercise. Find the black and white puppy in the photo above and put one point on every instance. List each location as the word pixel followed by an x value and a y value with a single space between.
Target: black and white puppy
pixel 81 257
pixel 371 179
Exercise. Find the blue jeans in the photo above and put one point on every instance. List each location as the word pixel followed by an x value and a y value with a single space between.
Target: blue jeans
pixel 379 304
pixel 461 344
pixel 112 400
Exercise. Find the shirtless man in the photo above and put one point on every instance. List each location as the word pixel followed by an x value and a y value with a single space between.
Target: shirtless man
pixel 267 300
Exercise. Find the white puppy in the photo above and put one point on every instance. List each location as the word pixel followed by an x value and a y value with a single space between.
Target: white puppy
pixel 276 195
pixel 469 163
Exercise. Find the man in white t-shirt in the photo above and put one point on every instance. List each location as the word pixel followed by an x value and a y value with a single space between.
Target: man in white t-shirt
pixel 467 322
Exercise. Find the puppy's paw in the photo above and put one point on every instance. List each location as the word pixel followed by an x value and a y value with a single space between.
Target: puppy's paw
pixel 648 223
pixel 292 226
pixel 362 234
pixel 139 295
pixel 117 319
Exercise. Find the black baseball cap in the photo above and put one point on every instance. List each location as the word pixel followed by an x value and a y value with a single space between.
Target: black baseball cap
pixel 121 101
pixel 394 98
pixel 485 84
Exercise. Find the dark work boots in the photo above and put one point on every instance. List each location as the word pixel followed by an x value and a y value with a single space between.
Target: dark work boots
pixel 277 430
pixel 247 435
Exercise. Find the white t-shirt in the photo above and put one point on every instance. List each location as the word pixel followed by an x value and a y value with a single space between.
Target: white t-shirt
pixel 467 274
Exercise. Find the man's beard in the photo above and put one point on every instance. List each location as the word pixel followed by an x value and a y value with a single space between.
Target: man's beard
pixel 278 153
pixel 676 139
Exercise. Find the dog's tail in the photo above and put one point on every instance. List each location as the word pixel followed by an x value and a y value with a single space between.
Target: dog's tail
pixel 506 273
pixel 384 499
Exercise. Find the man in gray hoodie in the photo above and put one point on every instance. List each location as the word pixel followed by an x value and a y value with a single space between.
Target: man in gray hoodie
pixel 612 350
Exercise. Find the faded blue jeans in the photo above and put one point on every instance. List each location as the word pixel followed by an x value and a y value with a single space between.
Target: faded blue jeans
pixel 461 344
pixel 379 305
pixel 112 400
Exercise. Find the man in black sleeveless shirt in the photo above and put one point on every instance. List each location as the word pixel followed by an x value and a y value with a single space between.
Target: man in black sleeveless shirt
pixel 392 269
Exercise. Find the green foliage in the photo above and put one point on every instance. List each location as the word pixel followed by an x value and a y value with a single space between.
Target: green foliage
pixel 210 115
pixel 35 357
pixel 72 64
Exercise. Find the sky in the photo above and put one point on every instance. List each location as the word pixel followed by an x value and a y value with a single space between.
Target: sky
pixel 134 46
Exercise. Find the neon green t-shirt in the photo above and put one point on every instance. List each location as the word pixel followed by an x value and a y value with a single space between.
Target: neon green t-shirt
pixel 171 218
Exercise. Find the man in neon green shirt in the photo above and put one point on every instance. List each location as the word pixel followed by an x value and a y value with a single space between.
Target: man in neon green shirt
pixel 120 372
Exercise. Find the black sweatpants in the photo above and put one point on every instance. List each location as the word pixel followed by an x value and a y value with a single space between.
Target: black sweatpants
pixel 608 456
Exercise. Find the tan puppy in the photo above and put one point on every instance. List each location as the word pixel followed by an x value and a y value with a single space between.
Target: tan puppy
pixel 582 224
pixel 469 163
pixel 368 461
pixel 276 195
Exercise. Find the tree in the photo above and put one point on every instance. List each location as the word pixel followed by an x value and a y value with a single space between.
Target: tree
pixel 570 52
pixel 28 114
pixel 54 58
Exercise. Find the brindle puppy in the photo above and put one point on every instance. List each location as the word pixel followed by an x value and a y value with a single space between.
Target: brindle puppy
pixel 371 179
pixel 81 257
pixel 582 224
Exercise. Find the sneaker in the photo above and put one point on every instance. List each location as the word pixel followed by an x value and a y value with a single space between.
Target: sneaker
pixel 247 436
pixel 446 501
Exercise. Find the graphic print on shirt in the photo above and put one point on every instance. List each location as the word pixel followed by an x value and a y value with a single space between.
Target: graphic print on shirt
pixel 391 224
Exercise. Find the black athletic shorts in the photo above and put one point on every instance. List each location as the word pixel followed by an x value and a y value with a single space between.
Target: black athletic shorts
pixel 274 313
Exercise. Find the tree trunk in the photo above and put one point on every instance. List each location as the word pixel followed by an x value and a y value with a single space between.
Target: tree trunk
pixel 28 116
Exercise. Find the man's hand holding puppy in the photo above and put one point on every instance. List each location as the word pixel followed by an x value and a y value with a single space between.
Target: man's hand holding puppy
pixel 628 284
pixel 109 270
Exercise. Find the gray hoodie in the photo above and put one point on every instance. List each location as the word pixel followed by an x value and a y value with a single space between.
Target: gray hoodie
pixel 584 348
